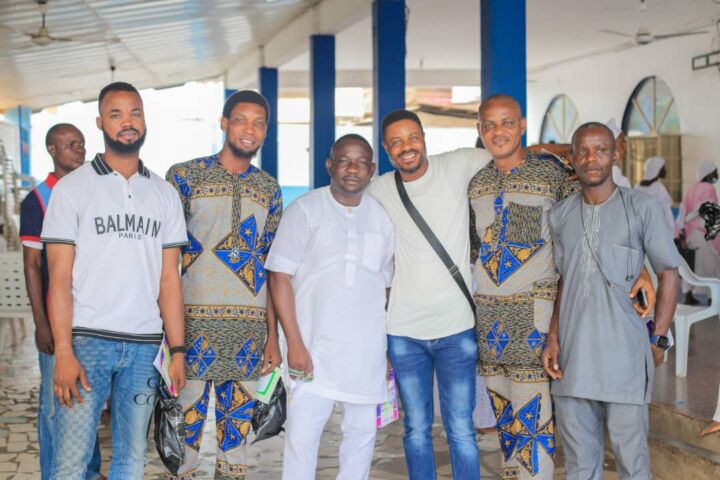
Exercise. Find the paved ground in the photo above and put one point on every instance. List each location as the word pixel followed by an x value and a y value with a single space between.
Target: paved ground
pixel 696 394
pixel 19 378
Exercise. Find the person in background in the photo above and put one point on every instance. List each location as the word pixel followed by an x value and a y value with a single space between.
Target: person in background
pixel 714 425
pixel 653 171
pixel 691 226
pixel 621 146
pixel 66 146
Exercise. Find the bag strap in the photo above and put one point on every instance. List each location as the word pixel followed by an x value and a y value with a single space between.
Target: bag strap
pixel 433 240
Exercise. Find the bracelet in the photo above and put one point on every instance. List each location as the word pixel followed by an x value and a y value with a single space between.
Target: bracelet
pixel 178 349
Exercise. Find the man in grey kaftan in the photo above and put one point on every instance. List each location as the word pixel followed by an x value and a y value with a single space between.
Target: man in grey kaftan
pixel 604 345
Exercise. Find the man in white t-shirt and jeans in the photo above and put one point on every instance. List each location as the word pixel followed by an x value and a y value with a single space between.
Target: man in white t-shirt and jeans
pixel 430 323
pixel 113 232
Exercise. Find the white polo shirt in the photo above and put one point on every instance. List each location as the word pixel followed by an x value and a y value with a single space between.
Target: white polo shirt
pixel 119 228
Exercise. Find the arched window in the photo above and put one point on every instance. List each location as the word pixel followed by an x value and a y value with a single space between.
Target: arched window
pixel 651 110
pixel 652 127
pixel 560 121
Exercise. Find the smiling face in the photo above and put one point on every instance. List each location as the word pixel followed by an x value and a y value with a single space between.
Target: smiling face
pixel 122 121
pixel 245 129
pixel 404 142
pixel 351 167
pixel 501 127
pixel 593 156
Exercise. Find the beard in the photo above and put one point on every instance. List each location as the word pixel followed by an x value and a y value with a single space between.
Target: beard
pixel 124 148
pixel 240 153
pixel 595 182
pixel 413 169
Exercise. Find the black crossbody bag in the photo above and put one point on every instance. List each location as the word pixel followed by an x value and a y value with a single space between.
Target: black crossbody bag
pixel 433 241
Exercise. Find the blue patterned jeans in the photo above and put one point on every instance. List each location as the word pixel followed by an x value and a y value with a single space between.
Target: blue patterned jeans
pixel 124 372
pixel 46 417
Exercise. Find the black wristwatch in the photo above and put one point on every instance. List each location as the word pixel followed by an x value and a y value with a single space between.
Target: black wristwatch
pixel 178 349
pixel 661 341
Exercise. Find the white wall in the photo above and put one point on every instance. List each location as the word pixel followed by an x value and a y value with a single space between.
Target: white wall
pixel 10 137
pixel 600 87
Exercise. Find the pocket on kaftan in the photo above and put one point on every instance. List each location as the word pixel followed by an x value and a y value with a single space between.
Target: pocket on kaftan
pixel 372 251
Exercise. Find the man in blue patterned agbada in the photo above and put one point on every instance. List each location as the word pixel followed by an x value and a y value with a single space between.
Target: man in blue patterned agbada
pixel 232 210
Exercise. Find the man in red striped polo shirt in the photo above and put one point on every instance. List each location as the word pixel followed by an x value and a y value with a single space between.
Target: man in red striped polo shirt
pixel 66 145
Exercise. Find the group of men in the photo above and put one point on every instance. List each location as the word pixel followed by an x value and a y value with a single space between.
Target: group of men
pixel 354 282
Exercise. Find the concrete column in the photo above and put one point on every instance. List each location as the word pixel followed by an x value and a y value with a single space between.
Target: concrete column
pixel 502 47
pixel 388 18
pixel 322 106
pixel 268 80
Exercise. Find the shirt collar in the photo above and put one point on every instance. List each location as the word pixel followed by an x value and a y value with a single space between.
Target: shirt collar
pixel 102 168
pixel 215 160
pixel 51 180
pixel 513 170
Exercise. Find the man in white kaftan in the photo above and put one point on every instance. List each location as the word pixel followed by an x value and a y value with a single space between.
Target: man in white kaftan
pixel 331 263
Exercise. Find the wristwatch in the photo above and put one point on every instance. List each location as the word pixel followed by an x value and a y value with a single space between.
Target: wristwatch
pixel 661 341
pixel 178 349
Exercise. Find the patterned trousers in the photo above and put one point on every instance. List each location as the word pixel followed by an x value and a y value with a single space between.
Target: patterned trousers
pixel 233 412
pixel 511 332
pixel 525 424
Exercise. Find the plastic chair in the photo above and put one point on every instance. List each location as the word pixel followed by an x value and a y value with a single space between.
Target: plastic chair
pixel 687 315
pixel 14 302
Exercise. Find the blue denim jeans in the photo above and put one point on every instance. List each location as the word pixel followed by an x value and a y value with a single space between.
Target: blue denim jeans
pixel 454 360
pixel 46 414
pixel 125 370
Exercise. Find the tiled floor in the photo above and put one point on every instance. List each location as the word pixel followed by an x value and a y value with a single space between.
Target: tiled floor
pixel 697 394
pixel 19 378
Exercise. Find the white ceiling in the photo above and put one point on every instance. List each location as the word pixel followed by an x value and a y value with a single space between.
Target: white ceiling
pixel 162 43
pixel 448 38
pixel 169 42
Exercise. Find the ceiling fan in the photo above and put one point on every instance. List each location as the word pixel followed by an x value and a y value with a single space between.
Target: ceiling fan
pixel 644 36
pixel 43 38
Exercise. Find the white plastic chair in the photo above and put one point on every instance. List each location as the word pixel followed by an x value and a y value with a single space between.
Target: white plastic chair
pixel 687 315
pixel 14 302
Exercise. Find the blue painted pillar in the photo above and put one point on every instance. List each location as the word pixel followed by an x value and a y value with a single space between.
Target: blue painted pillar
pixel 229 92
pixel 268 80
pixel 21 116
pixel 322 106
pixel 388 18
pixel 502 49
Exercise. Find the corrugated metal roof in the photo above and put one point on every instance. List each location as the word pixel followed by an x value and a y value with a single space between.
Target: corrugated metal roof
pixel 156 43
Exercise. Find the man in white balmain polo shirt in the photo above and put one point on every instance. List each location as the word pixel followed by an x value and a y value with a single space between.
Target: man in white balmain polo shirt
pixel 113 232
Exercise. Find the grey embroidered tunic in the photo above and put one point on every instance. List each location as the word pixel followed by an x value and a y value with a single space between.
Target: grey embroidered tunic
pixel 604 344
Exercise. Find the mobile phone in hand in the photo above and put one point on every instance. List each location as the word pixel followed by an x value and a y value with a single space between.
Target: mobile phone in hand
pixel 641 298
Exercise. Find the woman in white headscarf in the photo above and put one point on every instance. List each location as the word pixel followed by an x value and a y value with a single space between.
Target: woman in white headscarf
pixel 653 171
pixel 707 254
